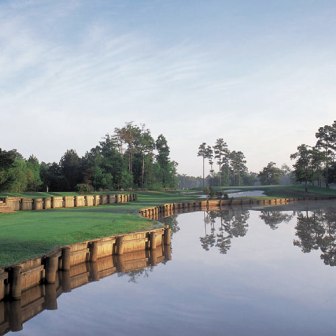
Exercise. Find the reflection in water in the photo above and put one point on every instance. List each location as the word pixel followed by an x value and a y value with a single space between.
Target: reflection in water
pixel 273 218
pixel 232 224
pixel 172 222
pixel 317 230
pixel 34 300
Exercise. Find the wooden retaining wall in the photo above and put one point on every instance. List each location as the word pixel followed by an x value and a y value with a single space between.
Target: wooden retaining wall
pixel 4 208
pixel 13 313
pixel 168 209
pixel 10 204
pixel 17 279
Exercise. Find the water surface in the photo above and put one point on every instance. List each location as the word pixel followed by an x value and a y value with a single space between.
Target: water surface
pixel 233 272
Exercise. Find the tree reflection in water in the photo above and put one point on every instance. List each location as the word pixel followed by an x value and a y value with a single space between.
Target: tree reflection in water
pixel 317 230
pixel 135 275
pixel 172 222
pixel 232 224
pixel 274 217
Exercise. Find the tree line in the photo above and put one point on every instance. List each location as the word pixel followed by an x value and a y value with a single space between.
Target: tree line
pixel 316 165
pixel 128 158
pixel 231 165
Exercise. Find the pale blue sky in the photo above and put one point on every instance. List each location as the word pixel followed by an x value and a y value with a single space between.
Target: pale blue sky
pixel 260 74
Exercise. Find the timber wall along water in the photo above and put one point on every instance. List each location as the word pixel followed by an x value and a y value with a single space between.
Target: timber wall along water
pixel 10 204
pixel 168 209
pixel 16 279
pixel 13 313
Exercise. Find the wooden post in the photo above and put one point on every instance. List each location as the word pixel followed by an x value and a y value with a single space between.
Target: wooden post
pixel 153 257
pixel 50 298
pixel 66 258
pixel 93 247
pixel 3 284
pixel 118 263
pixel 15 316
pixel 46 203
pixel 167 236
pixel 167 252
pixel 16 282
pixel 120 245
pixel 66 281
pixel 21 204
pixel 94 273
pixel 51 268
pixel 152 239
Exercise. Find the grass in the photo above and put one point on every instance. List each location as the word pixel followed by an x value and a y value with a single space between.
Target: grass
pixel 27 234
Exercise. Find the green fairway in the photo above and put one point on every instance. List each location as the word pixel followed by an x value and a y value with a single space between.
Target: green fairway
pixel 26 234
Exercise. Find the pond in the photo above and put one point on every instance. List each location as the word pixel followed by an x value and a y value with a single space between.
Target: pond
pixel 233 271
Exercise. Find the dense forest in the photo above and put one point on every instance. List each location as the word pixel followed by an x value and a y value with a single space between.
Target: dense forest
pixel 129 158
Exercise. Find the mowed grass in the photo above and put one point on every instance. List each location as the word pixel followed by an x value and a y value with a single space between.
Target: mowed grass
pixel 27 234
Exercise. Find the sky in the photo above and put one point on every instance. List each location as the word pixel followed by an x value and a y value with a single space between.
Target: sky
pixel 260 74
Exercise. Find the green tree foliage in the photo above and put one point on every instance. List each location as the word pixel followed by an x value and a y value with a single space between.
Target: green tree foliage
pixel 326 142
pixel 250 178
pixel 71 169
pixel 205 151
pixel 232 168
pixel 7 159
pixel 18 174
pixel 238 164
pixel 303 168
pixel 166 169
pixel 34 181
pixel 221 153
pixel 130 158
pixel 317 164
pixel 270 174
pixel 145 146
pixel 51 176
pixel 189 182
pixel 128 135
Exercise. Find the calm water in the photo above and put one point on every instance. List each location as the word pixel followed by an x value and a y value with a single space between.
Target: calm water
pixel 235 272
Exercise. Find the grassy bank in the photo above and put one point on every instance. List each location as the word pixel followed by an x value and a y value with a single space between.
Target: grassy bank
pixel 26 234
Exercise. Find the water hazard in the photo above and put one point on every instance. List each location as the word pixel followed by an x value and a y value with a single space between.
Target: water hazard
pixel 233 271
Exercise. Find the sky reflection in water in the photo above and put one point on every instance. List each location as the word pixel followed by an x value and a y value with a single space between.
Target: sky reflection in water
pixel 261 283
